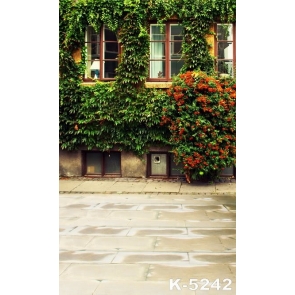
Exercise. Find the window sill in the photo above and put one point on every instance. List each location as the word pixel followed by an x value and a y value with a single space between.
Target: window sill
pixel 147 84
pixel 158 84
pixel 92 83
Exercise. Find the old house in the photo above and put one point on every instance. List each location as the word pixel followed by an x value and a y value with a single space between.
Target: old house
pixel 117 59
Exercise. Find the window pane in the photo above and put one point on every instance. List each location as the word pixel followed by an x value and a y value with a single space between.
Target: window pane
pixel 157 33
pixel 225 50
pixel 92 43
pixel 175 66
pixel 93 163
pixel 95 69
pixel 111 50
pixel 175 169
pixel 175 50
pixel 112 162
pixel 176 30
pixel 110 56
pixel 157 50
pixel 228 171
pixel 225 67
pixel 157 69
pixel 109 35
pixel 225 32
pixel 110 69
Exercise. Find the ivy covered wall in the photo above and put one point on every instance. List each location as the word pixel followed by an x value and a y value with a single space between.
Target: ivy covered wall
pixel 124 113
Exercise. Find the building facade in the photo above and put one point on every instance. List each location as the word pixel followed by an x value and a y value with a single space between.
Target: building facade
pixel 113 52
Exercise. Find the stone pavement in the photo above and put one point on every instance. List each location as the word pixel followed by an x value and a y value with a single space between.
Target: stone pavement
pixel 145 185
pixel 146 237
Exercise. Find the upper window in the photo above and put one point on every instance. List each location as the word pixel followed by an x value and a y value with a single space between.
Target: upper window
pixel 102 53
pixel 165 51
pixel 225 49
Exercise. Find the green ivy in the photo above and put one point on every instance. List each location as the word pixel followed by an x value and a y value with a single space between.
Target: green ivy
pixel 124 113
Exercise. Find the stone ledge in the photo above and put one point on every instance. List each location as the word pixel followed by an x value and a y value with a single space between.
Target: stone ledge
pixel 147 84
pixel 158 84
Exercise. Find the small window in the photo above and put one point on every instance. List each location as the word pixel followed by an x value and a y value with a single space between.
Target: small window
pixel 225 49
pixel 175 168
pixel 165 51
pixel 228 172
pixel 162 164
pixel 102 163
pixel 102 50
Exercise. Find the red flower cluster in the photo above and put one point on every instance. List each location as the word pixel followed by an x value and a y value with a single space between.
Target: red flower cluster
pixel 202 122
pixel 188 78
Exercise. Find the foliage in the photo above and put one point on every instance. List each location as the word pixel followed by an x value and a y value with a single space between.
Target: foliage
pixel 129 19
pixel 201 119
pixel 124 113
pixel 104 119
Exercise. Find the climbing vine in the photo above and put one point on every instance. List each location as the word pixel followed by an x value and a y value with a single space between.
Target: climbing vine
pixel 124 113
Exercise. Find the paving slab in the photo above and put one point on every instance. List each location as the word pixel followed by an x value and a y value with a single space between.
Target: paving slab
pixel 67 201
pixel 225 187
pixel 190 244
pixel 225 199
pixel 199 215
pixel 131 215
pixel 166 207
pixel 69 185
pixel 221 215
pixel 86 256
pixel 67 221
pixel 91 221
pixel 122 243
pixel 103 222
pixel 78 287
pixel 121 186
pixel 157 223
pixel 231 207
pixel 219 232
pixel 63 266
pixel 73 242
pixel 66 212
pixel 142 288
pixel 117 206
pixel 102 214
pixel 212 258
pixel 164 272
pixel 229 243
pixel 157 231
pixel 151 257
pixel 94 186
pixel 216 223
pixel 100 230
pixel 115 272
pixel 205 208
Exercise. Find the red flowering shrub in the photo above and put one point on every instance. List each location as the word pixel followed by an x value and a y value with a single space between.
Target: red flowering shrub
pixel 201 118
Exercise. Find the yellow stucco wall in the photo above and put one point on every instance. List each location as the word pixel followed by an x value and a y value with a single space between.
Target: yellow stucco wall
pixel 210 39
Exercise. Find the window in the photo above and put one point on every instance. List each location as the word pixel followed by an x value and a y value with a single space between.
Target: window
pixel 165 51
pixel 162 164
pixel 102 163
pixel 102 53
pixel 225 49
